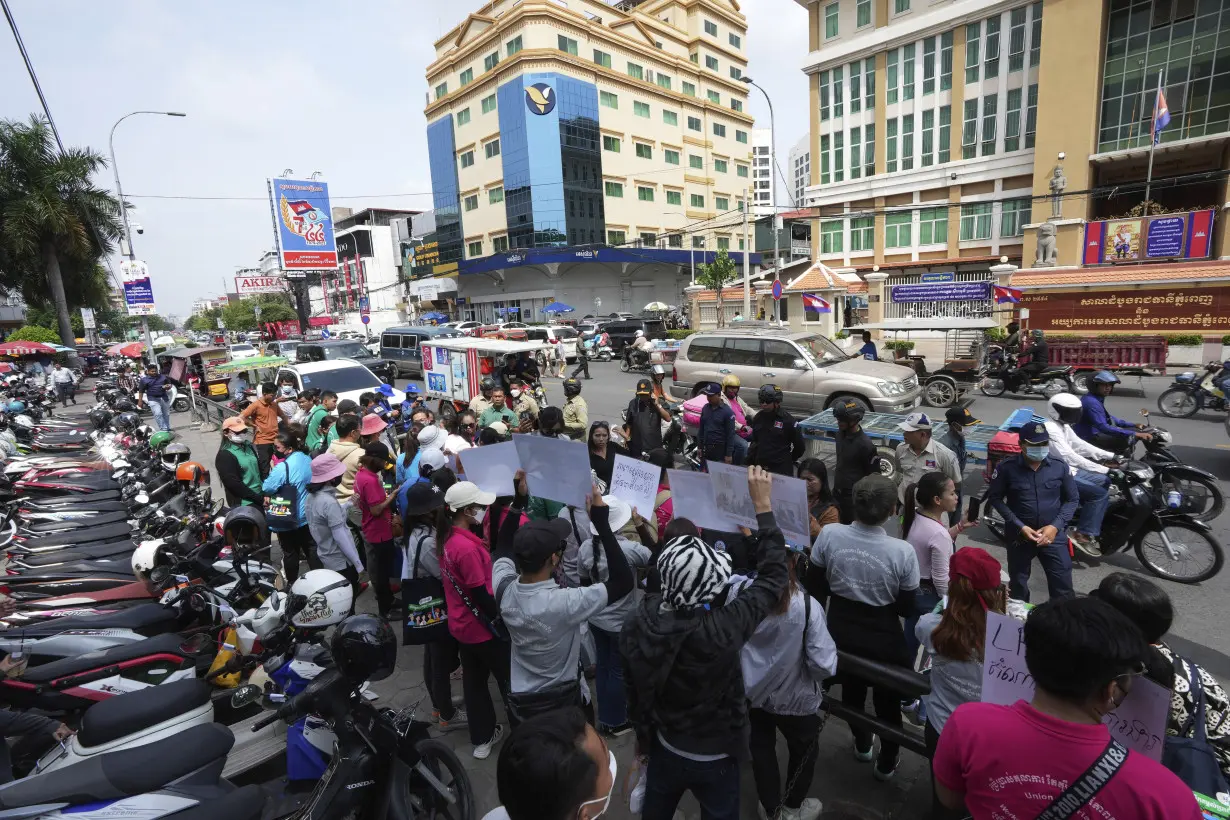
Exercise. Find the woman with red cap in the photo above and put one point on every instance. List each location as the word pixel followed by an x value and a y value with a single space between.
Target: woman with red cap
pixel 955 640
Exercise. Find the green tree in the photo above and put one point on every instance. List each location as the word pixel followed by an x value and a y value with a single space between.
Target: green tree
pixel 52 218
pixel 716 275
pixel 157 323
pixel 241 315
pixel 34 333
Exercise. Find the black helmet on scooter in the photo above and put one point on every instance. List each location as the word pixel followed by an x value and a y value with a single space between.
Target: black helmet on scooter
pixel 245 526
pixel 364 648
pixel 124 406
pixel 175 454
pixel 127 422
pixel 100 417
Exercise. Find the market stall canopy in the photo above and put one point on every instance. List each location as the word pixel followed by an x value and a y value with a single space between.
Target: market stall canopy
pixel 188 352
pixel 256 363
pixel 558 307
pixel 164 341
pixel 955 323
pixel 64 349
pixel 25 349
pixel 435 317
pixel 656 306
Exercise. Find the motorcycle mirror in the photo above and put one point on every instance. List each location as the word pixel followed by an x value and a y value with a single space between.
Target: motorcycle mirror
pixel 1144 412
pixel 245 695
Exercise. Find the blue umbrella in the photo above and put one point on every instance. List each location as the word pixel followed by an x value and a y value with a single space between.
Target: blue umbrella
pixel 557 307
pixel 434 316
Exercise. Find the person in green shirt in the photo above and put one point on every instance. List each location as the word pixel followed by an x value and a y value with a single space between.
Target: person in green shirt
pixel 237 467
pixel 498 411
pixel 345 407
pixel 313 412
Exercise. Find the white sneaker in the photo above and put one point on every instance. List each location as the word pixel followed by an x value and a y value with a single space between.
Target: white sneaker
pixel 483 750
pixel 810 809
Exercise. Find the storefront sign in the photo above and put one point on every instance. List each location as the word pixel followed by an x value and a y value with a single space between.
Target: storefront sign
pixel 424 258
pixel 942 292
pixel 543 256
pixel 1171 236
pixel 248 285
pixel 934 278
pixel 1153 310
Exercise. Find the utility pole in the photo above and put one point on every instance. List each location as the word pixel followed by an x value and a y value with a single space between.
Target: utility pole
pixel 747 255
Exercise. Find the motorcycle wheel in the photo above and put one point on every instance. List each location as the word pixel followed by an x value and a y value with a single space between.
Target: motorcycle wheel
pixel 992 387
pixel 1202 500
pixel 1055 386
pixel 446 770
pixel 1178 403
pixel 623 365
pixel 1188 542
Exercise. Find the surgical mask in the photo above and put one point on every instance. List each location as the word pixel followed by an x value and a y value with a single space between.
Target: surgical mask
pixel 514 393
pixel 240 438
pixel 1037 453
pixel 479 514
pixel 605 802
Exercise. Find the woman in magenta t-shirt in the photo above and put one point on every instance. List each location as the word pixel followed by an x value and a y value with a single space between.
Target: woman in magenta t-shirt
pixel 1015 761
pixel 377 523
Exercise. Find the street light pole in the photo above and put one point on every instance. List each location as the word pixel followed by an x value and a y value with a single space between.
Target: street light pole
pixel 777 229
pixel 119 192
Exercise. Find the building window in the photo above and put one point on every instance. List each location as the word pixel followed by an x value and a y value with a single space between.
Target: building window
pixel 694 124
pixel 907 72
pixel 689 89
pixel 672 157
pixel 856 94
pixel 711 62
pixel 862 13
pixel 831 12
pixel 721 203
pixel 488 104
pixel 697 200
pixel 946 61
pixel 644 193
pixel 891 61
pixel 932 226
pixel 839 146
pixel 928 138
pixel 972 34
pixel 644 151
pixel 674 198
pixel 856 146
pixel 608 100
pixel 492 149
pixel 1031 115
pixel 1015 217
pixel 723 243
pixel 991 48
pixel 499 244
pixel 740 206
pixel 616 237
pixel 830 236
pixel 869 149
pixel 1035 32
pixel 736 73
pixel 907 142
pixel 470 202
pixel 890 146
pixel 990 107
pixel 513 45
pixel 664 81
pixel 720 166
pixel 741 136
pixel 613 189
pixel 698 242
pixel 648 239
pixel 714 97
pixel 670 117
pixel 602 58
pixel 976 222
pixel 696 162
pixel 719 130
pixel 945 153
pixel 463 117
pixel 1016 40
pixel 869 84
pixel 711 28
pixel 610 144
pixel 928 66
pixel 838 108
pixel 736 105
pixel 640 109
pixel 467 159
pixel 825 141
pixel 441 90
pixel 496 195
pixel 567 44
pixel 466 77
pixel 1012 123
pixel 674 240
pixel 491 61
pixel 735 40
pixel 825 91
pixel 862 233
pixel 901 6
pixel 897 229
pixel 635 71
pixel 969 130
pixel 741 170
pixel 474 249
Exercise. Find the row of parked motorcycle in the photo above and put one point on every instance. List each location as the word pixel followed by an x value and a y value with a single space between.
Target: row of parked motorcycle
pixel 149 619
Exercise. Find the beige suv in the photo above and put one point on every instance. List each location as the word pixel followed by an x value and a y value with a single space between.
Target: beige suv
pixel 808 368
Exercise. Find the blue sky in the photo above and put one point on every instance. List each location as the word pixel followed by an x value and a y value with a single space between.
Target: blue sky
pixel 306 85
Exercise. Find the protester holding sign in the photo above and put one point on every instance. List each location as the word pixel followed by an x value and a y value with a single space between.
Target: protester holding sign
pixel 602 453
pixel 1054 757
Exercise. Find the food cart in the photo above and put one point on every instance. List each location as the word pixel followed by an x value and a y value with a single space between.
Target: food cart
pixel 452 368
pixel 197 367
pixel 255 371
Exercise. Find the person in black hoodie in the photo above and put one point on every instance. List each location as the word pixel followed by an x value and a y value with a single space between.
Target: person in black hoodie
pixel 681 653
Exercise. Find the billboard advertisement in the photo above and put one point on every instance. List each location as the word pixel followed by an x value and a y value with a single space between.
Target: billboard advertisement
pixel 249 285
pixel 138 293
pixel 1140 239
pixel 87 318
pixel 302 224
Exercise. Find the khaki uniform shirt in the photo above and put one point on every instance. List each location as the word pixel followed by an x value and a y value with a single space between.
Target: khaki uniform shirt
pixel 576 417
pixel 935 457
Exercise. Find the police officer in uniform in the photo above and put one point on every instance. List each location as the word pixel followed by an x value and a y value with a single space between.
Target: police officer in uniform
pixel 777 439
pixel 856 455
pixel 1037 497
pixel 481 403
pixel 576 411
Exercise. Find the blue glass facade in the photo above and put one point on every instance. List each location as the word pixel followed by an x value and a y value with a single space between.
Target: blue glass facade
pixel 445 190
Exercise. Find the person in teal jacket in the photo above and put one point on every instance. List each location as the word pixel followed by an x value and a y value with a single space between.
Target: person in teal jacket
pixel 288 482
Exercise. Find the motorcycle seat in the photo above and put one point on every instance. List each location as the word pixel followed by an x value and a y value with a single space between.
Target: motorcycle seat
pixel 123 773
pixel 125 714
pixel 140 618
pixel 106 532
pixel 36 497
pixel 102 567
pixel 246 803
pixel 67 667
pixel 69 524
pixel 86 504
pixel 95 550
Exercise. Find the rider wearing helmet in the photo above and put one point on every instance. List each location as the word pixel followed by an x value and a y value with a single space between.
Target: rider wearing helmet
pixel 777 439
pixel 644 418
pixel 1037 354
pixel 1097 426
pixel 480 404
pixel 856 455
pixel 743 416
pixel 576 411
pixel 175 454
pixel 637 353
pixel 1082 459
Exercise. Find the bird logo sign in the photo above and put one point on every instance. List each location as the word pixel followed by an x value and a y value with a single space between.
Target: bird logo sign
pixel 304 219
pixel 540 98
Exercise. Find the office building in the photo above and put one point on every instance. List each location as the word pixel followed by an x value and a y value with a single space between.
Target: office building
pixel 799 171
pixel 762 172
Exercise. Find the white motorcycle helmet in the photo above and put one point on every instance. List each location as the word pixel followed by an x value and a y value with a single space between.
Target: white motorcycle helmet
pixel 639 334
pixel 329 598
pixel 1065 408
pixel 145 557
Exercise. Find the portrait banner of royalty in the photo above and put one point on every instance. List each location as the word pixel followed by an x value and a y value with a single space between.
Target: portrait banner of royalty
pixel 303 224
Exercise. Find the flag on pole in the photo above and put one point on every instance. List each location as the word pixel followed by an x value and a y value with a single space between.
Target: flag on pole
pixel 813 302
pixel 1161 115
pixel 1003 294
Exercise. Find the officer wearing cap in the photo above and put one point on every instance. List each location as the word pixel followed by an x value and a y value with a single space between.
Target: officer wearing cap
pixel 644 418
pixel 482 403
pixel 958 419
pixel 920 454
pixel 856 455
pixel 576 411
pixel 1037 497
pixel 717 427
pixel 777 439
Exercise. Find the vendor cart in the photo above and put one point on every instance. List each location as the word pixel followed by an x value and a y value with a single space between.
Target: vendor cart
pixel 196 367
pixel 965 347
pixel 453 367
pixel 254 371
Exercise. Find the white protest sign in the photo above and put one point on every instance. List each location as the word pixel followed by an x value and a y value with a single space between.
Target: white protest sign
pixel 636 483
pixel 1139 723
pixel 730 493
pixel 789 500
pixel 491 467
pixel 555 468
pixel 693 498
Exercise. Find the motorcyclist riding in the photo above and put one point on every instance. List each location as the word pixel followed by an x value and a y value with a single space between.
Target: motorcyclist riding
pixel 1097 426
pixel 1038 355
pixel 658 373
pixel 1082 459
pixel 743 416
pixel 638 351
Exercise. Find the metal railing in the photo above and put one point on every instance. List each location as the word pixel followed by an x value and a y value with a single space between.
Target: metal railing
pixel 207 413
pixel 909 683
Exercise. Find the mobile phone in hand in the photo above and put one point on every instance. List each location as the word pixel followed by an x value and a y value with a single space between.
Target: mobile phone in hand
pixel 975 505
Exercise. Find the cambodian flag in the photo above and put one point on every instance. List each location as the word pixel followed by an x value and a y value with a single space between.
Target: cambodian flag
pixel 1161 115
pixel 1003 294
pixel 813 302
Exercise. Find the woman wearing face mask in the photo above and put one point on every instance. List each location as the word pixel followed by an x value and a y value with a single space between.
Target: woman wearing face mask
pixel 335 547
pixel 238 466
pixel 288 481
pixel 472 611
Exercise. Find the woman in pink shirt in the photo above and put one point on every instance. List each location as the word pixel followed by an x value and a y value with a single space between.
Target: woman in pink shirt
pixel 926 502
pixel 377 523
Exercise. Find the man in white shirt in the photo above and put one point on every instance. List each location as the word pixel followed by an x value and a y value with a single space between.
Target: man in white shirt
pixel 62 378
pixel 1092 478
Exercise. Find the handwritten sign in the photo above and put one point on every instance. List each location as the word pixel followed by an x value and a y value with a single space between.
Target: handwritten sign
pixel 1139 723
pixel 492 467
pixel 635 482
pixel 555 468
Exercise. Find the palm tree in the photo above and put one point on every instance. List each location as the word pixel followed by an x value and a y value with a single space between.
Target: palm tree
pixel 53 219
